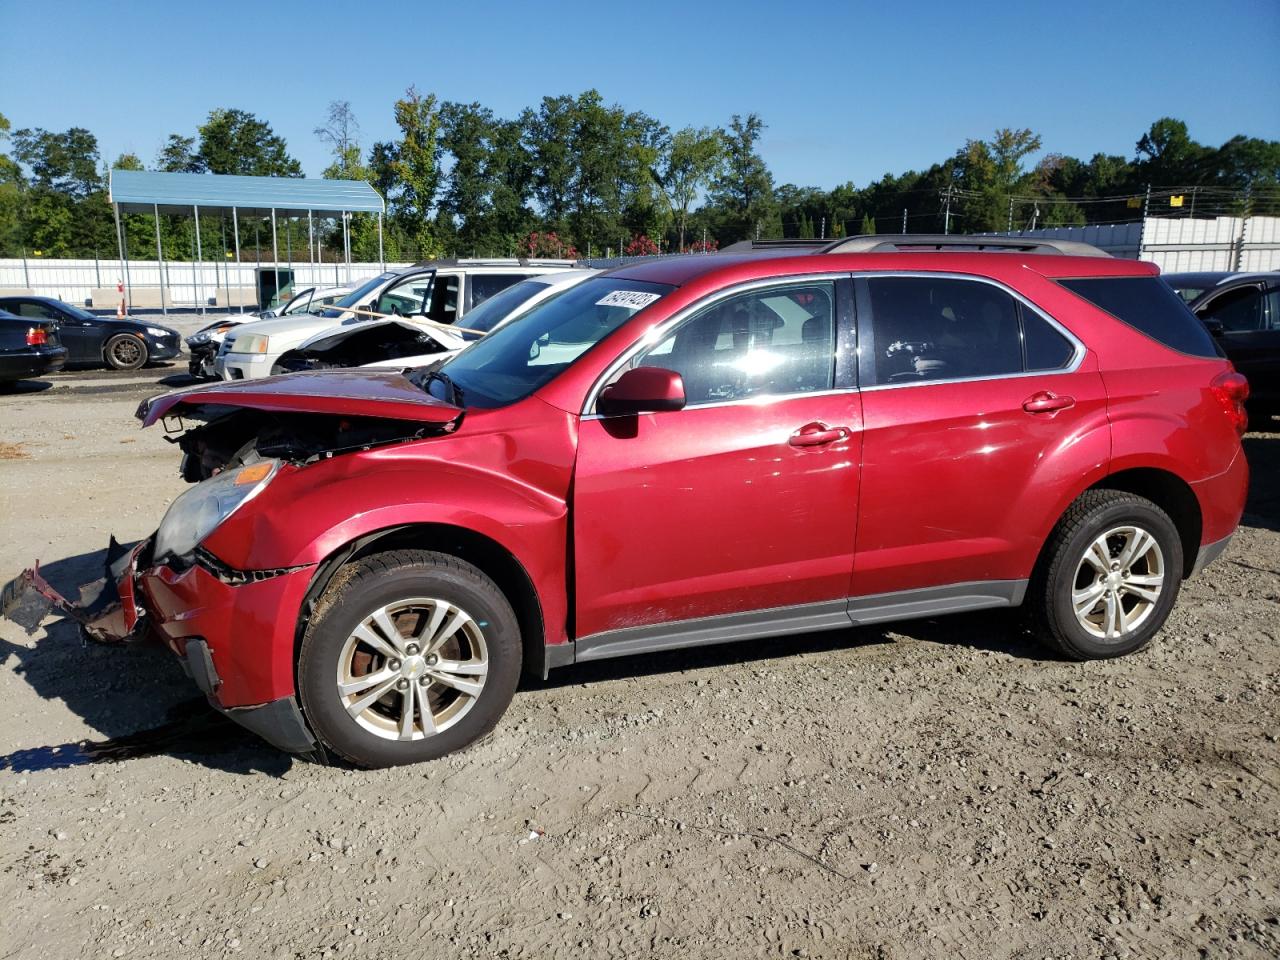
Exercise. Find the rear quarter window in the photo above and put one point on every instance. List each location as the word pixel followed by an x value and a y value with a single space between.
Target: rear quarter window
pixel 1150 306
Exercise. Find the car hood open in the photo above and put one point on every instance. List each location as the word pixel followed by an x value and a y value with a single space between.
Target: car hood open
pixel 358 393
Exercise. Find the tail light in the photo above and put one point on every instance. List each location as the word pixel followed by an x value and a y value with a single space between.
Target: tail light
pixel 1231 390
pixel 37 337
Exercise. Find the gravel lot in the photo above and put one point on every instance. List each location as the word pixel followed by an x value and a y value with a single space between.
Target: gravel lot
pixel 936 790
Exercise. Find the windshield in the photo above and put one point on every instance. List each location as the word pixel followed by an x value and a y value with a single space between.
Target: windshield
pixel 498 307
pixel 359 293
pixel 517 359
pixel 299 303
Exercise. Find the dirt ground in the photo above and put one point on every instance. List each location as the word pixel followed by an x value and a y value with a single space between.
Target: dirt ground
pixel 940 789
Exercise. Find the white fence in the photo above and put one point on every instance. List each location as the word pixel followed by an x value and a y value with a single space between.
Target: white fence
pixel 1220 243
pixel 1183 244
pixel 186 286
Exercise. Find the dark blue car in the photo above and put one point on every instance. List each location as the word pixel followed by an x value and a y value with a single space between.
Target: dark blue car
pixel 90 339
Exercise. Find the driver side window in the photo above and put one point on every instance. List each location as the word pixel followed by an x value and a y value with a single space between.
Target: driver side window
pixel 779 340
pixel 1239 311
pixel 406 298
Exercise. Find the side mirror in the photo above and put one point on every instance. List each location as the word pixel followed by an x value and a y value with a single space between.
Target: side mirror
pixel 1214 327
pixel 642 390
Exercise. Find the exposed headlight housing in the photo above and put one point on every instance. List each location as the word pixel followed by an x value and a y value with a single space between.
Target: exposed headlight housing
pixel 202 509
pixel 251 343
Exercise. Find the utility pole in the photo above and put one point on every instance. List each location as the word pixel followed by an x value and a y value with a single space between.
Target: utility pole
pixel 946 223
pixel 1035 215
pixel 1142 230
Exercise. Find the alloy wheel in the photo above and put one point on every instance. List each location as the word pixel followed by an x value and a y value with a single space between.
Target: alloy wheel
pixel 413 668
pixel 126 351
pixel 1118 582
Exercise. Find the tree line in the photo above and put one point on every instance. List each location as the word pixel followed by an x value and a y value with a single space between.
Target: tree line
pixel 576 176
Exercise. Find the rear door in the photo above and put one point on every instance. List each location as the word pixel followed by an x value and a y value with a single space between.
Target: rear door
pixel 745 501
pixel 968 394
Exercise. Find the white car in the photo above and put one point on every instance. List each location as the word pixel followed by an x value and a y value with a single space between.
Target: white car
pixel 408 342
pixel 203 345
pixel 440 290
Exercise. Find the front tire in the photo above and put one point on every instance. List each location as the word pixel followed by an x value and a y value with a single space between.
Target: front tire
pixel 124 351
pixel 1108 577
pixel 410 655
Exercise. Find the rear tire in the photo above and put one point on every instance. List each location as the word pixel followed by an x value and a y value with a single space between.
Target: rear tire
pixel 1108 577
pixel 124 351
pixel 410 655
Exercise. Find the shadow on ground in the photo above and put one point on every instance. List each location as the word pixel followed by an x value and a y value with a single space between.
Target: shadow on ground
pixel 1262 508
pixel 136 696
pixel 17 388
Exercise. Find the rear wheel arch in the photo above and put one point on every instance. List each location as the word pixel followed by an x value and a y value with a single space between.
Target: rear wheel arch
pixel 1164 488
pixel 1170 493
pixel 487 555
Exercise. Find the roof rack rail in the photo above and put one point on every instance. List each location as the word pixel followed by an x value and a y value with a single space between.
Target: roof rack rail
pixel 748 246
pixel 499 262
pixel 960 243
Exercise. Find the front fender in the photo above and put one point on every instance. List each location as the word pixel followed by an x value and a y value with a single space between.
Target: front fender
pixel 306 514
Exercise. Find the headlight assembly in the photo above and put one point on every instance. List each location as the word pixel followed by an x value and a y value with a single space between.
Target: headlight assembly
pixel 157 332
pixel 200 510
pixel 251 343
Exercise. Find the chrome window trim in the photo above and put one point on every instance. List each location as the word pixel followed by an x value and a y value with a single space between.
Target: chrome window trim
pixel 658 334
pixel 1076 342
pixel 761 400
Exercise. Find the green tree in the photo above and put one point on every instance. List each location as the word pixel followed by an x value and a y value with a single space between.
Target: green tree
pixel 12 187
pixel 988 173
pixel 548 138
pixel 237 142
pixel 689 160
pixel 743 188
pixel 179 155
pixel 414 169
pixel 1167 156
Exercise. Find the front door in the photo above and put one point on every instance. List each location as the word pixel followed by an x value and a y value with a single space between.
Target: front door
pixel 81 337
pixel 969 396
pixel 746 499
pixel 1248 321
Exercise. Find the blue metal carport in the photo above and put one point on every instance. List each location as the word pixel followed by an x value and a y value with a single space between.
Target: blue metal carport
pixel 145 191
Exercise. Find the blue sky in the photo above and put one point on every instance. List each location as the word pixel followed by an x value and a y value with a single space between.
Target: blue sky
pixel 849 90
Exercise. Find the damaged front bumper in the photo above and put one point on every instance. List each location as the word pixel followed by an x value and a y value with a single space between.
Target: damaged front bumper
pixel 233 631
pixel 106 611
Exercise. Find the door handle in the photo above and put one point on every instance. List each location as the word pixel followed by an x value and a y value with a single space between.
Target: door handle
pixel 816 434
pixel 1047 402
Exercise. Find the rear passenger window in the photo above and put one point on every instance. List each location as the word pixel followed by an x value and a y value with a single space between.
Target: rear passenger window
pixel 1045 348
pixel 1150 306
pixel 939 328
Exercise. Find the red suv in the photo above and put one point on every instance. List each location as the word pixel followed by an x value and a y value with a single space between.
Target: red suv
pixel 691 451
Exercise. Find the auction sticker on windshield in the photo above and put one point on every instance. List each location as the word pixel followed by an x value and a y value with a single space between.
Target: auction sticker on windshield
pixel 631 299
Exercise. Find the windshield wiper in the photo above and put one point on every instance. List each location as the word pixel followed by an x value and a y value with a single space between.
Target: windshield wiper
pixel 455 391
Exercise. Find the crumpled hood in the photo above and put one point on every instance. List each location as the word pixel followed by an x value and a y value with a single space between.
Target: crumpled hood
pixel 356 393
pixel 334 335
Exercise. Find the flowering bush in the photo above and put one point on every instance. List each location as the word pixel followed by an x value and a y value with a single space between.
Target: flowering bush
pixel 703 246
pixel 547 244
pixel 641 246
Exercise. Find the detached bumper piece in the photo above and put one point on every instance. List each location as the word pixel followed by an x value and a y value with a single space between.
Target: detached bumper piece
pixel 106 611
pixel 278 722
